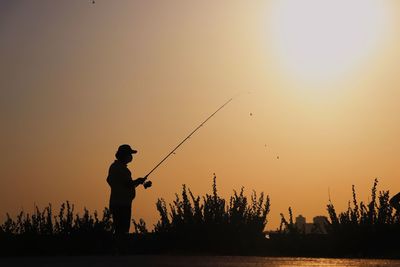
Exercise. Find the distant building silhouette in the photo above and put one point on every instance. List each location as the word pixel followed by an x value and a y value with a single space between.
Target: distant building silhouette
pixel 320 223
pixel 318 226
pixel 301 224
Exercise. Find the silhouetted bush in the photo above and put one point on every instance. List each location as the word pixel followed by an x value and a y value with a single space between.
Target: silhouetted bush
pixel 366 228
pixel 373 215
pixel 43 222
pixel 369 229
pixel 44 233
pixel 210 224
pixel 211 220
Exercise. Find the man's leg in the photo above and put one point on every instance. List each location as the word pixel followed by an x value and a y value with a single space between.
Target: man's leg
pixel 117 219
pixel 125 219
pixel 122 221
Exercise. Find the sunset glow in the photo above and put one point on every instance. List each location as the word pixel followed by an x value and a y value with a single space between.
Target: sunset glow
pixel 320 41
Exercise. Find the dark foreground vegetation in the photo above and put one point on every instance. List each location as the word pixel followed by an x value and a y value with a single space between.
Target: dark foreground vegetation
pixel 369 230
pixel 210 225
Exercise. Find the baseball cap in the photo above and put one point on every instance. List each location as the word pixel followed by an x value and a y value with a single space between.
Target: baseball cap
pixel 126 149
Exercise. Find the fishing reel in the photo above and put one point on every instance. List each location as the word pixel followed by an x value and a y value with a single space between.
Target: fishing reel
pixel 147 184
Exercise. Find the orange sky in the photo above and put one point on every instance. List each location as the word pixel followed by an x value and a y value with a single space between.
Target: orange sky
pixel 78 79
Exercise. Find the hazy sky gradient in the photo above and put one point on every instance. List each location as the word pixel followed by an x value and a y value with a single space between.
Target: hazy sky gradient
pixel 77 80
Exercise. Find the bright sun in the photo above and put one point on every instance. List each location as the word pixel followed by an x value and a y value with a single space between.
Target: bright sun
pixel 324 40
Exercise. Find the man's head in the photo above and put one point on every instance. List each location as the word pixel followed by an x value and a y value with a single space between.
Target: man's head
pixel 124 153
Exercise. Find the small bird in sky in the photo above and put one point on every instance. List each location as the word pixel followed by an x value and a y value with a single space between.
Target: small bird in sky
pixel 251 114
pixel 277 157
pixel 93 2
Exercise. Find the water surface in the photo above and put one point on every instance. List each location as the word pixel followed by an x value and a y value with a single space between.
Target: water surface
pixel 195 261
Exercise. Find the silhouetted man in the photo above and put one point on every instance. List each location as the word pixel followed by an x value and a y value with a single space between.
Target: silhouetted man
pixel 123 189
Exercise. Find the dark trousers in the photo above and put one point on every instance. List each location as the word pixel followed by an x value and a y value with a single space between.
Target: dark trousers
pixel 121 219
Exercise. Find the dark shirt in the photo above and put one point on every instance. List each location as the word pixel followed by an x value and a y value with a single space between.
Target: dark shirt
pixel 121 183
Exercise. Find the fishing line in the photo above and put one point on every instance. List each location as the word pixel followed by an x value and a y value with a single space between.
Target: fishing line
pixel 184 140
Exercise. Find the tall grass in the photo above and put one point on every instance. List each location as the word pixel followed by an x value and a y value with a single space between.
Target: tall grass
pixel 65 222
pixel 287 226
pixel 374 214
pixel 64 232
pixel 210 223
pixel 366 228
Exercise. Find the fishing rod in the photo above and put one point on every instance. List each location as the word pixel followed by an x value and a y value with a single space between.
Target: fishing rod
pixel 184 140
